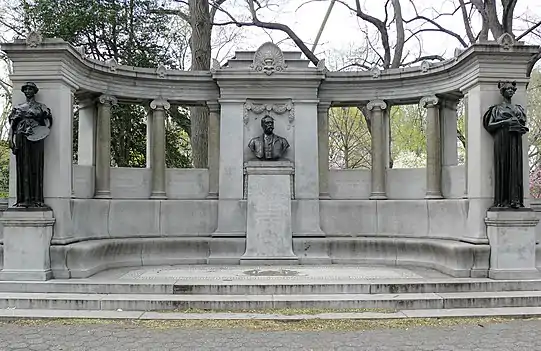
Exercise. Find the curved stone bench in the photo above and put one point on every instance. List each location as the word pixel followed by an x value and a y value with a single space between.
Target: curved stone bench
pixel 85 258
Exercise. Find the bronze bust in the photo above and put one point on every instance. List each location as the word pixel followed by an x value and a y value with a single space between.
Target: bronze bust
pixel 268 146
pixel 506 122
pixel 30 123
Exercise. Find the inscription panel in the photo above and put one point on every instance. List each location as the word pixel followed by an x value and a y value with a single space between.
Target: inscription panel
pixel 269 217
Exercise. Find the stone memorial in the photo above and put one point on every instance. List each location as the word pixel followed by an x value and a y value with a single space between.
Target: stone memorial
pixel 28 225
pixel 269 238
pixel 268 196
pixel 510 226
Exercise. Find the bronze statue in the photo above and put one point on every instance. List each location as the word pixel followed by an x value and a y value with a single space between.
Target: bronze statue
pixel 30 124
pixel 268 146
pixel 507 124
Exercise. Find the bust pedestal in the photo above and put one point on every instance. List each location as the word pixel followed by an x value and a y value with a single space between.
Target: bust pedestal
pixel 511 234
pixel 269 238
pixel 27 238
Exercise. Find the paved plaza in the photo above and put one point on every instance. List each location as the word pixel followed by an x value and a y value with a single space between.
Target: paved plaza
pixel 508 335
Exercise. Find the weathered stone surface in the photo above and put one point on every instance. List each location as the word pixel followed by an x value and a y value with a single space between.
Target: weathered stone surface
pixel 198 218
pixel 512 239
pixel 514 335
pixel 268 232
pixel 404 217
pixel 27 237
pixel 134 218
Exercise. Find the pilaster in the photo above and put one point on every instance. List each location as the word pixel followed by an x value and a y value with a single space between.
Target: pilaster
pixel 323 148
pixel 214 149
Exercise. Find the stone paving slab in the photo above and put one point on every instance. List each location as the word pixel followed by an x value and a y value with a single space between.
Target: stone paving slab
pixel 268 273
pixel 521 335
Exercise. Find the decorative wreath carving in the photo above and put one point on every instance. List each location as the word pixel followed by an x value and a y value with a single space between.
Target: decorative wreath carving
pixel 34 39
pixel 279 109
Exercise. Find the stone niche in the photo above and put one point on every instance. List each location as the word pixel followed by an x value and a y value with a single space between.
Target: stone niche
pixel 282 111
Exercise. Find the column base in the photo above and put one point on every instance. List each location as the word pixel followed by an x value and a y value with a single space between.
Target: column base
pixel 102 194
pixel 212 195
pixel 158 195
pixel 268 261
pixel 433 196
pixel 324 196
pixel 378 196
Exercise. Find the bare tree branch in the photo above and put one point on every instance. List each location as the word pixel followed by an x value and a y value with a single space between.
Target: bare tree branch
pixel 531 29
pixel 439 27
pixel 467 22
pixel 425 58
pixel 400 34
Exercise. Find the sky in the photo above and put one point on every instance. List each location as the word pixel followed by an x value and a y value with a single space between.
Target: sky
pixel 342 34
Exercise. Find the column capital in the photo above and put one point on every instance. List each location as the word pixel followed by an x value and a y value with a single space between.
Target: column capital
pixel 450 104
pixel 382 105
pixel 323 106
pixel 214 106
pixel 107 99
pixel 429 101
pixel 160 104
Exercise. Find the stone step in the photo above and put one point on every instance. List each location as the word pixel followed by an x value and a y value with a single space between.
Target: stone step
pixel 270 288
pixel 154 302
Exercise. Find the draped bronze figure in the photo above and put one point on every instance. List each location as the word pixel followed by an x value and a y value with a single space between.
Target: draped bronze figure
pixel 507 124
pixel 30 124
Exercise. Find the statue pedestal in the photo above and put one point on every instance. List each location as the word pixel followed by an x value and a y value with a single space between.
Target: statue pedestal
pixel 27 238
pixel 269 238
pixel 511 234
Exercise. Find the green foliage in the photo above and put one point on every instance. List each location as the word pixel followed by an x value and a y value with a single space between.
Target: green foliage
pixel 177 136
pixel 408 138
pixel 534 136
pixel 132 33
pixel 4 168
pixel 349 139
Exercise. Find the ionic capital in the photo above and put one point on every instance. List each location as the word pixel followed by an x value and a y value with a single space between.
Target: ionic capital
pixel 108 100
pixel 429 101
pixel 382 105
pixel 160 104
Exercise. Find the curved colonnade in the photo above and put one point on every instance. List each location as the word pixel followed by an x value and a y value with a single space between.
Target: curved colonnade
pixel 108 217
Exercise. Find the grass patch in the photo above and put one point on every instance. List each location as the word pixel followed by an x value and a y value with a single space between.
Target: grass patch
pixel 270 325
pixel 286 311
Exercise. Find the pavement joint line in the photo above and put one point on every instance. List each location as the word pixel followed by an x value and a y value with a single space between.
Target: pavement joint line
pixel 509 312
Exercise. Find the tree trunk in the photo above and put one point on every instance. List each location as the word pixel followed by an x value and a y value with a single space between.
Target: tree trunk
pixel 201 55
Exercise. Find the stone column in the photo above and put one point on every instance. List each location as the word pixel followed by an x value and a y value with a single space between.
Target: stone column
pixel 103 147
pixel 149 138
pixel 449 138
pixel 323 148
pixel 214 149
pixel 86 145
pixel 158 148
pixel 433 148
pixel 379 147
